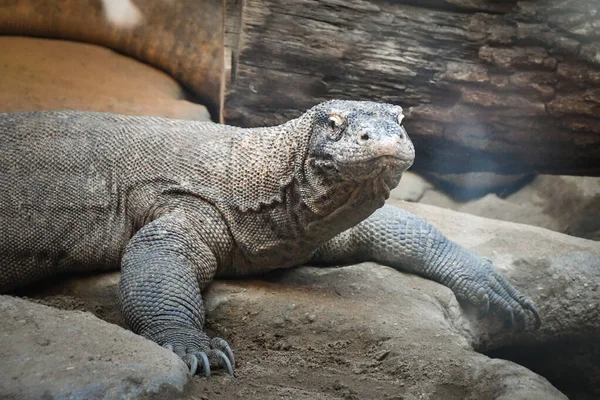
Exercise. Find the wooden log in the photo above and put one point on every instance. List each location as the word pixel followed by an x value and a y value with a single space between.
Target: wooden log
pixel 508 87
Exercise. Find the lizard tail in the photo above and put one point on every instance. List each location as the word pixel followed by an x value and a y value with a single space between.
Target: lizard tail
pixel 181 37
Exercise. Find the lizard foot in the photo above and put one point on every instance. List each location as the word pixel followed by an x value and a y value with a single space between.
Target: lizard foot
pixel 487 289
pixel 197 350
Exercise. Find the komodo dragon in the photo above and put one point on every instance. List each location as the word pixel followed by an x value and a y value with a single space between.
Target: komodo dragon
pixel 176 203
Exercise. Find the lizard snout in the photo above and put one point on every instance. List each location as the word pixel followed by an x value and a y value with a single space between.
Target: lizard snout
pixel 394 143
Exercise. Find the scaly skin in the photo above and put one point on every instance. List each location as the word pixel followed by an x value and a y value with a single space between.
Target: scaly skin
pixel 176 203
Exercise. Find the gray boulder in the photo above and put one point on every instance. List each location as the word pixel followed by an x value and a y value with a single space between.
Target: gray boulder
pixel 567 204
pixel 48 353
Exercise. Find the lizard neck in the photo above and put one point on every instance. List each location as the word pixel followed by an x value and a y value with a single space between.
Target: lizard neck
pixel 330 207
pixel 262 161
pixel 325 205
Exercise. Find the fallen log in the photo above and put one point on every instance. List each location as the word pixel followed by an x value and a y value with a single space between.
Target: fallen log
pixel 508 87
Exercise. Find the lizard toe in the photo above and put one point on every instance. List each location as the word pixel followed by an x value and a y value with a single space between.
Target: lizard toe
pixel 503 308
pixel 522 303
pixel 196 349
pixel 488 290
pixel 482 301
pixel 519 304
pixel 192 362
pixel 506 301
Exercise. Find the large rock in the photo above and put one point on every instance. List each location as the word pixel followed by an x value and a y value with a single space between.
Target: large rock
pixel 572 202
pixel 48 353
pixel 567 204
pixel 367 331
pixel 473 185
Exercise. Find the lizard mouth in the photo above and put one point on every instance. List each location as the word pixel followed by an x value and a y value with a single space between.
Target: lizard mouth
pixel 367 168
pixel 395 159
pixel 385 168
pixel 382 161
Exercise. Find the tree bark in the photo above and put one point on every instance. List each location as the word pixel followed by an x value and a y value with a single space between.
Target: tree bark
pixel 508 87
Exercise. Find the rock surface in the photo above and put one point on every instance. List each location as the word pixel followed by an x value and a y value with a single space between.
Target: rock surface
pixel 42 74
pixel 54 354
pixel 567 204
pixel 472 185
pixel 367 331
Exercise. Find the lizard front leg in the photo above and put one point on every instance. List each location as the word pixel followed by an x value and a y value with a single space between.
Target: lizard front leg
pixel 165 266
pixel 402 240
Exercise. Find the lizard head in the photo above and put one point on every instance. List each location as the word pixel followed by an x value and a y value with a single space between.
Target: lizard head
pixel 358 141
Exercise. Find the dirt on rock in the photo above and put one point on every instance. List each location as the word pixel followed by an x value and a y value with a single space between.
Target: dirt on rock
pixel 48 353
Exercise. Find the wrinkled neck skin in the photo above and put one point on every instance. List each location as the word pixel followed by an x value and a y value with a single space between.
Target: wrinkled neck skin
pixel 326 204
pixel 334 206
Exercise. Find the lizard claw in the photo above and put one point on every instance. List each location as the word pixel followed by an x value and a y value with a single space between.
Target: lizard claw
pixel 205 363
pixel 192 361
pixel 226 361
pixel 230 354
pixel 536 314
pixel 510 318
pixel 196 349
pixel 483 300
pixel 193 364
pixel 221 344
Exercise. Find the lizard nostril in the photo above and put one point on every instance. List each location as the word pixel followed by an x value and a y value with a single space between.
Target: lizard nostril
pixel 364 136
pixel 402 136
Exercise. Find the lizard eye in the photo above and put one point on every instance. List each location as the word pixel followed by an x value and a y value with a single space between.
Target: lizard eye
pixel 335 121
pixel 336 124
